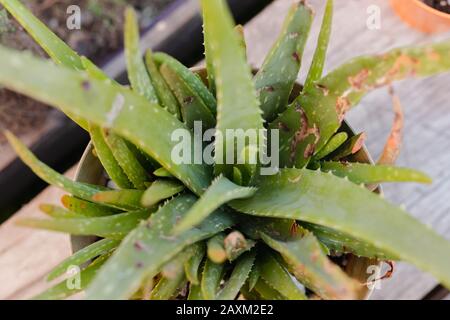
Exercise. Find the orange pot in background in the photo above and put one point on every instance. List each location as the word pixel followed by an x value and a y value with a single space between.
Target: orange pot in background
pixel 421 16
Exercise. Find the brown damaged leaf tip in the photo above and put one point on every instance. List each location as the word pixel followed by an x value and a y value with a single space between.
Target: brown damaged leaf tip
pixel 393 144
pixel 359 143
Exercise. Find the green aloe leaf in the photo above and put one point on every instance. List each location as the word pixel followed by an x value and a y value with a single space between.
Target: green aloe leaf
pixel 166 288
pixel 93 250
pixel 335 142
pixel 312 267
pixel 69 287
pixel 86 208
pixel 191 105
pixel 126 199
pixel 127 160
pixel 160 190
pixel 192 266
pixel 267 292
pixel 238 277
pixel 216 248
pixel 211 277
pixel 254 276
pixel 105 105
pixel 316 69
pixel 116 156
pixel 82 190
pixel 114 227
pixel 162 173
pixel 166 97
pixel 137 72
pixel 366 173
pixel 316 197
pixel 106 157
pixel 58 212
pixel 147 248
pixel 324 106
pixel 195 292
pixel 237 103
pixel 275 275
pixel 219 192
pixel 189 78
pixel 344 243
pixel 349 147
pixel 277 76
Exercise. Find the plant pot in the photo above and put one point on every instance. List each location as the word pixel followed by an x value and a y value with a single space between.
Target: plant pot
pixel 90 170
pixel 421 16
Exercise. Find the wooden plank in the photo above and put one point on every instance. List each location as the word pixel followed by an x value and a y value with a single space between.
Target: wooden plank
pixel 27 255
pixel 426 107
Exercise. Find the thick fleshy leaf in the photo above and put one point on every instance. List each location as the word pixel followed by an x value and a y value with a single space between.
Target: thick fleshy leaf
pixel 189 78
pixel 165 96
pixel 126 199
pixel 195 292
pixel 137 72
pixel 87 253
pixel 166 288
pixel 216 248
pixel 349 147
pixel 191 105
pixel 324 106
pixel 313 268
pixel 267 292
pixel 70 286
pixel 81 190
pixel 58 212
pixel 192 266
pixel 275 274
pixel 104 104
pixel 254 276
pixel 318 62
pixel 147 248
pixel 211 277
pixel 162 173
pixel 218 193
pixel 106 157
pixel 237 103
pixel 366 173
pixel 341 242
pixel 127 160
pixel 335 142
pixel 276 78
pixel 86 208
pixel 160 190
pixel 238 277
pixel 114 227
pixel 316 197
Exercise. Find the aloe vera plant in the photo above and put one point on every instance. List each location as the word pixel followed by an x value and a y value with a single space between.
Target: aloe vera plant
pixel 218 230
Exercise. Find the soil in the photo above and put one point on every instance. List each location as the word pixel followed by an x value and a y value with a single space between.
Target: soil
pixel 100 34
pixel 441 5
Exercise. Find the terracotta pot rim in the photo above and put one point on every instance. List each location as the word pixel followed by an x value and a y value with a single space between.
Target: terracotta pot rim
pixel 432 10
